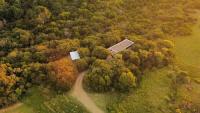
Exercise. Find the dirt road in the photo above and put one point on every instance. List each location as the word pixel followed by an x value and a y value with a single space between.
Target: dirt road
pixel 10 108
pixel 79 93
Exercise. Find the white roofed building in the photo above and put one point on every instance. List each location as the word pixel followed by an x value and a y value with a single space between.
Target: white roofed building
pixel 74 55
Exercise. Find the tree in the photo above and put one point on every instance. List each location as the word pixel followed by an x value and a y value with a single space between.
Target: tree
pixel 64 15
pixel 84 52
pixel 8 83
pixel 126 80
pixel 165 44
pixel 90 42
pixel 100 52
pixel 99 76
pixel 144 55
pixel 112 38
pixel 25 36
pixel 62 73
pixel 65 46
pixel 82 64
pixel 43 14
pixel 11 12
pixel 34 73
pixel 6 80
pixel 2 3
pixel 131 57
pixel 159 58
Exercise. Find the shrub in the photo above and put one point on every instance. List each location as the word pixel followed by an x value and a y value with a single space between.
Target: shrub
pixel 99 76
pixel 82 64
pixel 126 80
pixel 165 44
pixel 84 52
pixel 182 77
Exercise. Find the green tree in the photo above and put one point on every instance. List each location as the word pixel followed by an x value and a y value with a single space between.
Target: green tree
pixel 166 44
pixel 82 64
pixel 25 36
pixel 84 52
pixel 100 52
pixel 126 80
pixel 43 14
pixel 99 76
pixel 2 3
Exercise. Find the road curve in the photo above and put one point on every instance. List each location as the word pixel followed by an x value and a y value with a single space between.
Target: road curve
pixel 79 93
pixel 10 108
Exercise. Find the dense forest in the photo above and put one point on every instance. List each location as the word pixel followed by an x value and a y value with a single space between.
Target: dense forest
pixel 36 37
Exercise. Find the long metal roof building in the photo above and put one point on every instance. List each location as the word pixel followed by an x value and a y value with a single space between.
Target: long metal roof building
pixel 120 46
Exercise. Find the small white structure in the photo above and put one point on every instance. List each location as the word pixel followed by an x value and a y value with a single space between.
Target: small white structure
pixel 74 55
pixel 120 46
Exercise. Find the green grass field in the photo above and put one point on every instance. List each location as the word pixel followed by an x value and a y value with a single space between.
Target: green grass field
pixel 42 100
pixel 187 50
pixel 107 100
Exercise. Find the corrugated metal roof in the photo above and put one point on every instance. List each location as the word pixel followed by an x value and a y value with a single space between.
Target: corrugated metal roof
pixel 74 55
pixel 120 46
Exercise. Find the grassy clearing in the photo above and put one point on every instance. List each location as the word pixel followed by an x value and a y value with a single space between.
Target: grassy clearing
pixel 42 100
pixel 106 100
pixel 151 96
pixel 187 50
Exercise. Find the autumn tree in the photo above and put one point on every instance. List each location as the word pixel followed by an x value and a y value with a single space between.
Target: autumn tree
pixel 7 82
pixel 62 73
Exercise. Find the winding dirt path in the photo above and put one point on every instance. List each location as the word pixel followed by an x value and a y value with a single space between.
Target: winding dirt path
pixel 79 93
pixel 8 109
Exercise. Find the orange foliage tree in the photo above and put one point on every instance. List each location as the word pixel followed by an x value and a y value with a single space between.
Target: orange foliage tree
pixel 62 73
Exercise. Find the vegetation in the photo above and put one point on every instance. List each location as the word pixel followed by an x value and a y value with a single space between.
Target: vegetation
pixel 44 100
pixel 35 36
pixel 62 73
pixel 152 96
pixel 186 94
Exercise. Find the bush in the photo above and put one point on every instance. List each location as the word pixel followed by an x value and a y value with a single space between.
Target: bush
pixel 131 57
pixel 82 64
pixel 126 80
pixel 182 77
pixel 104 76
pixel 165 44
pixel 84 52
pixel 100 52
pixel 99 76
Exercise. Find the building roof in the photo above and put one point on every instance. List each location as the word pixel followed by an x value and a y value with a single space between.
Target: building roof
pixel 120 46
pixel 74 55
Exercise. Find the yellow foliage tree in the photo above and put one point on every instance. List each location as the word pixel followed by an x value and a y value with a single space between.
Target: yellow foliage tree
pixel 6 80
